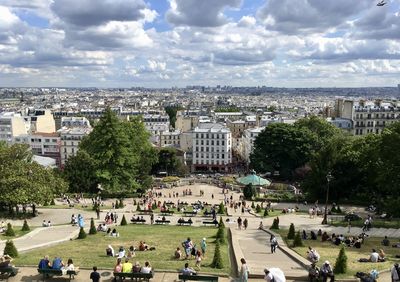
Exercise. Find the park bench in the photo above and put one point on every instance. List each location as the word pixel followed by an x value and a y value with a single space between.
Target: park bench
pixel 138 221
pixel 7 272
pixel 197 278
pixel 144 212
pixel 207 214
pixel 137 276
pixel 185 222
pixel 167 212
pixel 190 213
pixel 48 272
pixel 211 223
pixel 158 221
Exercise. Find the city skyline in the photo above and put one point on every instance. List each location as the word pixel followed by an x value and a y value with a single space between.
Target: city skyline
pixel 125 43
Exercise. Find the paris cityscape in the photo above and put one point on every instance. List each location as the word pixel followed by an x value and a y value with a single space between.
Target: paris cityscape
pixel 184 140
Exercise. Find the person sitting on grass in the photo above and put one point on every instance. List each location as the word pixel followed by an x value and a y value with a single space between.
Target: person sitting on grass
pixel 44 263
pixel 136 268
pixel 114 233
pixel 110 251
pixel 385 241
pixel 374 257
pixel 121 252
pixel 143 246
pixel 188 270
pixel 382 256
pixel 146 268
pixel 127 266
pixel 131 252
pixel 178 253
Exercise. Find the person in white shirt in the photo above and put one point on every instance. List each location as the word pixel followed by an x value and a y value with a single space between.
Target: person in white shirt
pixel 374 257
pixel 146 268
pixel 395 273
pixel 327 271
pixel 268 276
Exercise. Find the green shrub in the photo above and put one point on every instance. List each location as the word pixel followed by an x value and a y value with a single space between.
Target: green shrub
pixel 53 203
pixel 266 212
pixel 258 208
pixel 82 233
pixel 341 262
pixel 154 206
pixel 291 232
pixel 25 227
pixel 10 249
pixel 220 237
pixel 116 205
pixel 10 231
pixel 217 260
pixel 134 202
pixel 253 206
pixel 221 223
pixel 121 204
pixel 249 192
pixel 221 209
pixel 123 221
pixel 275 224
pixel 92 229
pixel 297 242
pixel 338 209
pixel 138 207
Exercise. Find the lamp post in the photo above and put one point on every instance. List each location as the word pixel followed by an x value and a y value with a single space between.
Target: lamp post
pixel 329 177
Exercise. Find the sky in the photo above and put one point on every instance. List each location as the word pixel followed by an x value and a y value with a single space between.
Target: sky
pixel 167 43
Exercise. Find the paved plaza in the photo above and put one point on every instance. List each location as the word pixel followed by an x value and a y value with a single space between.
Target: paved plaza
pixel 252 244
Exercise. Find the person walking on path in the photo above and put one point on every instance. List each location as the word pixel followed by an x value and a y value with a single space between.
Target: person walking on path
pixel 239 222
pixel 95 276
pixel 274 243
pixel 244 271
pixel 203 246
pixel 245 223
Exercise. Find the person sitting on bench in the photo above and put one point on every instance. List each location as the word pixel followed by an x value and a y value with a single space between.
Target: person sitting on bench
pixel 188 270
pixel 44 263
pixel 5 264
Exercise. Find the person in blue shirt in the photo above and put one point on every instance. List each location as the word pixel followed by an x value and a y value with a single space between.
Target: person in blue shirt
pixel 44 263
pixel 57 263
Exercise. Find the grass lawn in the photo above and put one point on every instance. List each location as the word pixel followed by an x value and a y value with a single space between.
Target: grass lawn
pixel 18 233
pixel 376 223
pixel 91 251
pixel 329 251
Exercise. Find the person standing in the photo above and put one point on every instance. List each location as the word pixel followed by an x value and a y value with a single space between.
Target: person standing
pixel 95 276
pixel 274 243
pixel 395 273
pixel 239 222
pixel 203 246
pixel 245 223
pixel 151 219
pixel 244 271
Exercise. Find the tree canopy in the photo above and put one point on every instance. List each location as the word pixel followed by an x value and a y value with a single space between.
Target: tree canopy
pixel 24 182
pixel 118 153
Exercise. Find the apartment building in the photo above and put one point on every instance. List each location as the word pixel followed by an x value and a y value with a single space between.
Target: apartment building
pixel 212 148
pixel 70 140
pixel 11 126
pixel 170 139
pixel 368 116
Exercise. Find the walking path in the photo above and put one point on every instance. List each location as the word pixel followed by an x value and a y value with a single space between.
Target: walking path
pixel 252 244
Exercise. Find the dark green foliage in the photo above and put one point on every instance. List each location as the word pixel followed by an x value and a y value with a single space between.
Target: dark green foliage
pixel 221 223
pixel 253 206
pixel 116 205
pixel 92 229
pixel 171 112
pixel 52 203
pixel 10 249
pixel 258 208
pixel 297 242
pixel 341 262
pixel 134 202
pixel 10 231
pixel 221 209
pixel 291 232
pixel 122 152
pixel 282 147
pixel 82 233
pixel 25 227
pixel 266 212
pixel 275 224
pixel 138 207
pixel 154 206
pixel 169 162
pixel 121 204
pixel 338 209
pixel 249 191
pixel 123 221
pixel 217 260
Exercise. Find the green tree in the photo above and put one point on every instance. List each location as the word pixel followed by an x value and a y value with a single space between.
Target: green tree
pixel 80 172
pixel 123 221
pixel 221 208
pixel 220 237
pixel 341 262
pixel 167 161
pixel 122 151
pixel 282 147
pixel 10 231
pixel 25 226
pixel 249 191
pixel 171 112
pixel 297 242
pixel 82 233
pixel 266 212
pixel 92 229
pixel 291 232
pixel 217 260
pixel 275 224
pixel 10 249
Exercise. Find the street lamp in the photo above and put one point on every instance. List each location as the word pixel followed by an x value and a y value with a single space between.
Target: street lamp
pixel 329 177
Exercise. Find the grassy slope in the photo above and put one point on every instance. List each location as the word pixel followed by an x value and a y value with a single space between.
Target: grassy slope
pixel 91 251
